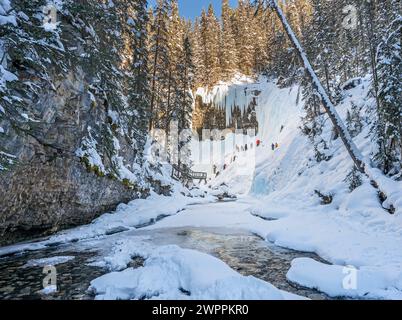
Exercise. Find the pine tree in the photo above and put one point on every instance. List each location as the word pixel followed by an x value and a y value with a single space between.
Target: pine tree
pixel 175 35
pixel 184 100
pixel 389 126
pixel 228 56
pixel 138 89
pixel 323 40
pixel 244 37
pixel 313 120
pixel 261 43
pixel 198 52
pixel 278 48
pixel 159 62
pixel 354 179
pixel 28 54
pixel 101 47
pixel 354 122
pixel 210 42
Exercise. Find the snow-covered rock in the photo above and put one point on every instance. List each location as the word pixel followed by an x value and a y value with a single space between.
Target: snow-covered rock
pixel 348 281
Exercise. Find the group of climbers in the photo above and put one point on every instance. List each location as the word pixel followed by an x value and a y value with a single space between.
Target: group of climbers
pixel 244 148
pixel 274 145
pixel 225 166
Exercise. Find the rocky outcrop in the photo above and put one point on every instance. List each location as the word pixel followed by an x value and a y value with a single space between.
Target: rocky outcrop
pixel 49 187
pixel 73 115
pixel 41 198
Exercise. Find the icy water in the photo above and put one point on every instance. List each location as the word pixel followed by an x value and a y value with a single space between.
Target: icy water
pixel 246 253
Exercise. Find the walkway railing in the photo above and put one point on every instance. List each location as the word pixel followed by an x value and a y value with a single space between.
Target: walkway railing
pixel 186 175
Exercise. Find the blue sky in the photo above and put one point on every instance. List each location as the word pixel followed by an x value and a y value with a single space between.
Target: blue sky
pixel 192 8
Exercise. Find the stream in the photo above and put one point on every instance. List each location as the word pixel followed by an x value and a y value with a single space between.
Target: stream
pixel 246 253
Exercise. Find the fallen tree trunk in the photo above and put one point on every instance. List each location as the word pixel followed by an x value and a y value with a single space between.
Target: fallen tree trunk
pixel 329 107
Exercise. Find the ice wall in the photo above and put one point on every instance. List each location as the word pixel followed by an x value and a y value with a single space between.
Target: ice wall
pixel 278 114
pixel 237 92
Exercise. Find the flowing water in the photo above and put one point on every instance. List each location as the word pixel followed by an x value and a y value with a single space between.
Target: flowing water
pixel 244 252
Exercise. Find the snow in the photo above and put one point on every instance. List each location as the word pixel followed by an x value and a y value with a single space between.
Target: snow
pixel 52 6
pixel 21 247
pixel 6 76
pixel 206 153
pixel 5 13
pixel 172 273
pixel 49 290
pixel 347 281
pixel 52 261
pixel 323 94
pixel 8 158
pixel 226 214
pixel 89 151
pixel 393 189
pixel 365 242
pixel 275 108
pixel 112 114
pixel 51 27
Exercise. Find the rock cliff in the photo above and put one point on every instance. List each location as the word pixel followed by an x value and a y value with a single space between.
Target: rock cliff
pixel 71 137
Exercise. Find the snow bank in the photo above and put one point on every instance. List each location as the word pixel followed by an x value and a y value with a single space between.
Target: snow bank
pixel 130 216
pixel 52 261
pixel 393 189
pixel 6 15
pixel 173 273
pixel 5 76
pixel 48 290
pixel 347 281
pixel 234 215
